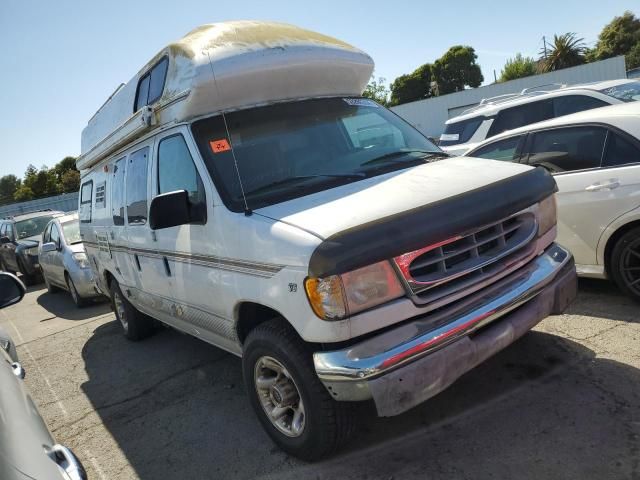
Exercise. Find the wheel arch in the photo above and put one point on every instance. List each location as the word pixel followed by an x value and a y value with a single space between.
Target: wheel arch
pixel 248 315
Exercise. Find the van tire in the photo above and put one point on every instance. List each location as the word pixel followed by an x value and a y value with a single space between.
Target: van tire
pixel 136 325
pixel 625 261
pixel 327 423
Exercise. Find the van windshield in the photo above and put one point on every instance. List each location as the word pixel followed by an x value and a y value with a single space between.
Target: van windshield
pixel 289 150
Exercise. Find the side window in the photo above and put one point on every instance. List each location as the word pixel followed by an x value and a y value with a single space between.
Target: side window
pixel 568 149
pixel 55 235
pixel 137 187
pixel 176 171
pixel 86 192
pixel 620 151
pixel 117 192
pixel 46 235
pixel 515 117
pixel 505 149
pixel 151 84
pixel 575 103
pixel 3 230
pixel 100 201
pixel 9 231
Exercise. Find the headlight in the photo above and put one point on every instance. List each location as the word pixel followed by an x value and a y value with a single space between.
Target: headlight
pixel 338 296
pixel 31 251
pixel 81 259
pixel 546 215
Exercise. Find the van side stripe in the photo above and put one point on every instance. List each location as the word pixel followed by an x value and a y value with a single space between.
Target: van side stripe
pixel 266 270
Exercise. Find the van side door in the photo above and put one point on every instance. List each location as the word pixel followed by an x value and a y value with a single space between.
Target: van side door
pixel 190 250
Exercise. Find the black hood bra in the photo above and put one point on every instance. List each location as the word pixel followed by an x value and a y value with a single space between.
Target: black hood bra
pixel 410 230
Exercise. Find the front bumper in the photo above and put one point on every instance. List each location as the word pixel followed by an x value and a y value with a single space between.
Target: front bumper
pixel 85 282
pixel 30 263
pixel 409 364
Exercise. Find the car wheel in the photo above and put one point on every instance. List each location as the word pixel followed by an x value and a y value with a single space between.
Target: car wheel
pixel 77 299
pixel 625 263
pixel 27 278
pixel 136 325
pixel 291 403
pixel 50 288
pixel 3 266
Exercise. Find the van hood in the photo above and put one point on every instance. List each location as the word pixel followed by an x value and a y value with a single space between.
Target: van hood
pixel 331 211
pixel 381 217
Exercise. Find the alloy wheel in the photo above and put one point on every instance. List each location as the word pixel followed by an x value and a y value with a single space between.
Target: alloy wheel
pixel 279 396
pixel 120 310
pixel 630 266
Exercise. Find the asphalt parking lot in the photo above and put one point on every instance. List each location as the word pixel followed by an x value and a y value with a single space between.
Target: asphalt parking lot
pixel 563 402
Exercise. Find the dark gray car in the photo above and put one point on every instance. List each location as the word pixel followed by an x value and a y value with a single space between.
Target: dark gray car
pixel 27 449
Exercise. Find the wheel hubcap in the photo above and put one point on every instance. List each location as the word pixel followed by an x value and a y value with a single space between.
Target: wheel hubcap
pixel 631 266
pixel 279 396
pixel 120 311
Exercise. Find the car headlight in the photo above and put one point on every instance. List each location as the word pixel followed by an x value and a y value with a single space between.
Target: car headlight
pixel 31 251
pixel 81 259
pixel 547 216
pixel 338 296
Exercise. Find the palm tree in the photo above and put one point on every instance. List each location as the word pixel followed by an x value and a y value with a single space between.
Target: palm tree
pixel 565 51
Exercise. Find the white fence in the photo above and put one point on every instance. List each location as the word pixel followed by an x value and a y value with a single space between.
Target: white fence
pixel 429 115
pixel 64 202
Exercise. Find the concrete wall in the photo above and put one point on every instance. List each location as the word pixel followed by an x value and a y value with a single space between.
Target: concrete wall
pixel 429 115
pixel 64 202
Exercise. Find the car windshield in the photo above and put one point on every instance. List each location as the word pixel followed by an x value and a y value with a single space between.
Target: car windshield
pixel 32 226
pixel 71 232
pixel 292 149
pixel 627 92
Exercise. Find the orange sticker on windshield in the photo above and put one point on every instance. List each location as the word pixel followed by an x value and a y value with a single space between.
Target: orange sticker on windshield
pixel 219 146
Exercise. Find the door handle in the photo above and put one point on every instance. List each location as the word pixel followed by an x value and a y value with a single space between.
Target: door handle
pixel 608 185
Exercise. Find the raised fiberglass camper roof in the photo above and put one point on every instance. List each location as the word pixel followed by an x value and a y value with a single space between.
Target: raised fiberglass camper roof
pixel 220 67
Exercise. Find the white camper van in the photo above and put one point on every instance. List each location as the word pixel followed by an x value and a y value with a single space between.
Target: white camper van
pixel 240 189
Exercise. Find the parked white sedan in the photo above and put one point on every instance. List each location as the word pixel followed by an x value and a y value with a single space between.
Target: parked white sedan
pixel 595 158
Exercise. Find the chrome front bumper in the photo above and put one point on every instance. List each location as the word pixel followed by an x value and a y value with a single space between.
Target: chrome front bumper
pixel 411 363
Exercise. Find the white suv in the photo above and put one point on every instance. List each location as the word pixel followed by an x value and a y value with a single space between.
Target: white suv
pixel 506 112
pixel 595 159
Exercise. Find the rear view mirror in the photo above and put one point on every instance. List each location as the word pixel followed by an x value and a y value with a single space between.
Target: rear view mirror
pixel 169 210
pixel 49 247
pixel 11 289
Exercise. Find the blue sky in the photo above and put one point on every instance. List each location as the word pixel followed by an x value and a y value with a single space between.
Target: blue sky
pixel 63 58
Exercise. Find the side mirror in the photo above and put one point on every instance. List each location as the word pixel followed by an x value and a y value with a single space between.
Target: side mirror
pixel 11 289
pixel 169 210
pixel 4 240
pixel 49 247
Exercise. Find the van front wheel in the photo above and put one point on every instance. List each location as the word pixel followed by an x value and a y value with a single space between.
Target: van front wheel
pixel 291 403
pixel 136 325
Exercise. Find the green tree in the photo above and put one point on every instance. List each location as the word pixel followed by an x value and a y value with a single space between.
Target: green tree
pixel 23 193
pixel 376 90
pixel 618 37
pixel 413 86
pixel 70 181
pixel 456 69
pixel 565 51
pixel 518 67
pixel 633 57
pixel 8 186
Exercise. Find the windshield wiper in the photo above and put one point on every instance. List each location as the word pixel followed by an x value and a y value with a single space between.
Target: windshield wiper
pixel 403 153
pixel 285 181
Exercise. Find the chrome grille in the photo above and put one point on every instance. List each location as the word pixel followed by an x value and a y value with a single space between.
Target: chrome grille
pixel 459 263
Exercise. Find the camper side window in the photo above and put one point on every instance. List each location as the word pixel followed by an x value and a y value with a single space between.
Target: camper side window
pixel 151 84
pixel 117 192
pixel 176 171
pixel 86 191
pixel 137 187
